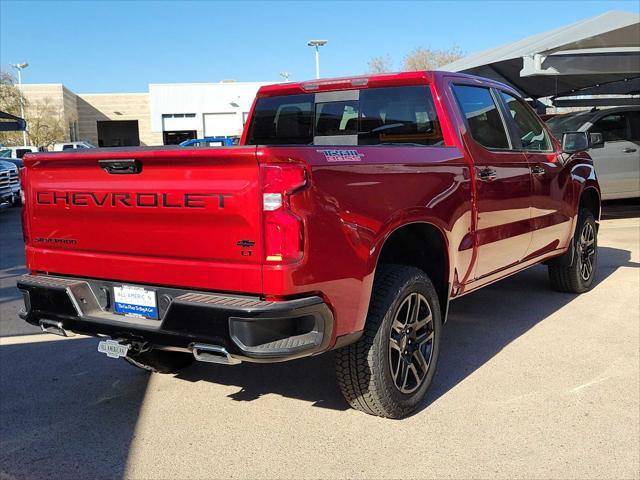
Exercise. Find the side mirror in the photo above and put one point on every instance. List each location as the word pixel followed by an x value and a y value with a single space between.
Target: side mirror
pixel 573 142
pixel 597 140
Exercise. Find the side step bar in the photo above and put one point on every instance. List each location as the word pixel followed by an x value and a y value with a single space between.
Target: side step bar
pixel 213 354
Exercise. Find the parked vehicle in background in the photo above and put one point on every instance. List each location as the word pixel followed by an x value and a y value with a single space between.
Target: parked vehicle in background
pixel 19 151
pixel 7 155
pixel 9 184
pixel 617 163
pixel 209 142
pixel 352 212
pixel 59 147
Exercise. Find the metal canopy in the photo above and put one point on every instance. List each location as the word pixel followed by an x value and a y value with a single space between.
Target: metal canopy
pixel 11 123
pixel 600 55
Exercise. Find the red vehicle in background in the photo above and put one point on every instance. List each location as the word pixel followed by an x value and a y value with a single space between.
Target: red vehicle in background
pixel 352 212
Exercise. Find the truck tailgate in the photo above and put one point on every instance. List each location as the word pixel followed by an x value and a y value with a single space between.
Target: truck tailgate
pixel 182 217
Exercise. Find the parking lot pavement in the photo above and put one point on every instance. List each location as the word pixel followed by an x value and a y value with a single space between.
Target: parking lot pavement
pixel 530 384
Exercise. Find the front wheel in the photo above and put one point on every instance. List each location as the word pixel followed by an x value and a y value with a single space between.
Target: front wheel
pixel 578 276
pixel 388 371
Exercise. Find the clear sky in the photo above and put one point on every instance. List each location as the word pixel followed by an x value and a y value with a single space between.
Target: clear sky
pixel 122 46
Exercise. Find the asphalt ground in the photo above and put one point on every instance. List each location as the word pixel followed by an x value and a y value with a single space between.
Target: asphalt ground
pixel 530 384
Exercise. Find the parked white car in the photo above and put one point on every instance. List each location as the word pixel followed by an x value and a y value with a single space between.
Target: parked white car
pixel 618 161
pixel 59 147
pixel 20 150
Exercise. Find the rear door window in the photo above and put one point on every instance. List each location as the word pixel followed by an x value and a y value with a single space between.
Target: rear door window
pixel 483 117
pixel 634 124
pixel 533 136
pixel 613 127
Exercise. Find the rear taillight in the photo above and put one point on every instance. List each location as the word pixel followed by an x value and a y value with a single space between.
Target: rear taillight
pixel 283 229
pixel 23 212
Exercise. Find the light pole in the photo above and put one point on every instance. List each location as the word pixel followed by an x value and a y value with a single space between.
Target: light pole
pixel 19 67
pixel 317 44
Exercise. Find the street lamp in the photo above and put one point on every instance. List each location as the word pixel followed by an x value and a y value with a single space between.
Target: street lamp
pixel 317 44
pixel 19 67
pixel 285 76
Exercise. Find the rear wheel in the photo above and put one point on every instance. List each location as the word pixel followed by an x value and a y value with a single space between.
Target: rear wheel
pixel 160 361
pixel 388 371
pixel 578 276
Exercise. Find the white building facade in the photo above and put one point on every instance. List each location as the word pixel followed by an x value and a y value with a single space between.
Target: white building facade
pixel 194 110
pixel 166 115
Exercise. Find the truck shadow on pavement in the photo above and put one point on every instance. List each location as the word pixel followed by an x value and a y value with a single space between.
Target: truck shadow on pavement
pixel 480 325
pixel 66 412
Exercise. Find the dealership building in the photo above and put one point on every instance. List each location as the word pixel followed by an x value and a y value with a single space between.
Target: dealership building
pixel 165 115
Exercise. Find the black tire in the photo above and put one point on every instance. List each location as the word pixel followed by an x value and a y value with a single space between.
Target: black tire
pixel 161 361
pixel 364 368
pixel 577 276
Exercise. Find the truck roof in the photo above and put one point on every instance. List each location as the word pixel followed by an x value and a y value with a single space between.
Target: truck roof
pixel 366 81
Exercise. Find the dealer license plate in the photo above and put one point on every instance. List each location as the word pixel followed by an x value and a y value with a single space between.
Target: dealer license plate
pixel 135 301
pixel 113 349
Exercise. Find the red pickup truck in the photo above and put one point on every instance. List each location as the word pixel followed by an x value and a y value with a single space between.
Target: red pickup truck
pixel 350 214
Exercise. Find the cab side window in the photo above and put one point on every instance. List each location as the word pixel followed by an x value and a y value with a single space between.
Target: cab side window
pixel 529 127
pixel 613 127
pixel 483 117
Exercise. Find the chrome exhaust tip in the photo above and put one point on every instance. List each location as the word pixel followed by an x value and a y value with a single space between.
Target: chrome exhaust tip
pixel 213 354
pixel 51 326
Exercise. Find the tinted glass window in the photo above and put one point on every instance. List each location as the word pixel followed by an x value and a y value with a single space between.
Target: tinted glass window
pixel 282 120
pixel 613 127
pixel 634 123
pixel 483 117
pixel 67 147
pixel 21 151
pixel 532 134
pixel 398 115
pixel 570 122
pixel 337 118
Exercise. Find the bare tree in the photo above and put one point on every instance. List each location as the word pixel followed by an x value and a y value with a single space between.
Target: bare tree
pixel 10 94
pixel 380 64
pixel 431 59
pixel 44 121
pixel 46 125
pixel 10 98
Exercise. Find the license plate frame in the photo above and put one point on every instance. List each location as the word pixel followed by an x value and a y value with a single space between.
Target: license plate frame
pixel 135 301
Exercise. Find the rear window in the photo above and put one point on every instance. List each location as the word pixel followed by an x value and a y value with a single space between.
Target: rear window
pixel 381 116
pixel 283 120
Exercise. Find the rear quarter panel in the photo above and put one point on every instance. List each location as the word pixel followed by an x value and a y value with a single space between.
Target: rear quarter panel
pixel 350 209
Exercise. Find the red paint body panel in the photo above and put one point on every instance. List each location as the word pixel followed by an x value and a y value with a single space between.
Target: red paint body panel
pixel 182 241
pixel 348 210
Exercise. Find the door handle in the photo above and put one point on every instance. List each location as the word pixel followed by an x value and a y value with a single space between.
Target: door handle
pixel 119 167
pixel 487 174
pixel 538 170
pixel 629 150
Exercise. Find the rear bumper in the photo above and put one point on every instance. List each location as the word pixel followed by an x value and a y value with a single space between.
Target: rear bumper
pixel 248 328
